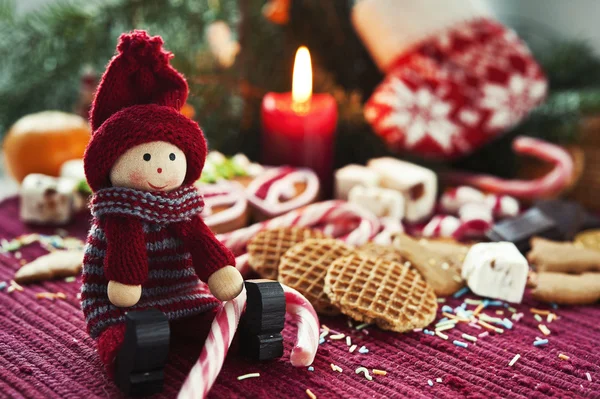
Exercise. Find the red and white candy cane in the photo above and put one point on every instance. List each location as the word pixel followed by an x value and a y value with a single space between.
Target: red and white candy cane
pixel 356 225
pixel 305 317
pixel 550 184
pixel 454 199
pixel 204 373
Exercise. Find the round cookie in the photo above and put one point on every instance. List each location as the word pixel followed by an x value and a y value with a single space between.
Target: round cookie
pixel 267 247
pixel 304 266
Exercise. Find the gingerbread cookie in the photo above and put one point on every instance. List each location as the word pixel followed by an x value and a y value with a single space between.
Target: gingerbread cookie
pixel 56 264
pixel 562 257
pixel 225 206
pixel 379 251
pixel 567 289
pixel 440 269
pixel 280 190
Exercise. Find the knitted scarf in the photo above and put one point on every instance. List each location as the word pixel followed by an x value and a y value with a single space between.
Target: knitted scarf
pixel 153 207
pixel 122 213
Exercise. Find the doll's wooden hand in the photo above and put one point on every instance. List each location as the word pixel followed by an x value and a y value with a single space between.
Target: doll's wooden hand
pixel 123 295
pixel 226 283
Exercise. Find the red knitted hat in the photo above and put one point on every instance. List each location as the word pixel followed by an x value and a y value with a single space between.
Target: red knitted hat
pixel 138 101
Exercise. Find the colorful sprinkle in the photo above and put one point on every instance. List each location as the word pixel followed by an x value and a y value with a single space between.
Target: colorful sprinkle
pixel 438 380
pixel 479 309
pixel 445 323
pixel 441 335
pixel 544 329
pixel 472 324
pixel 495 303
pixel 321 341
pixel 363 325
pixel 539 311
pixel 249 375
pixel 447 309
pixel 382 372
pixel 500 312
pixel 538 318
pixel 428 332
pixel 70 279
pixel 514 360
pixel 469 337
pixel 348 341
pixel 540 342
pixel 363 349
pixel 430 383
pixel 365 371
pixel 337 336
pixel 550 318
pixel 483 334
pixel 461 292
pixel 491 327
pixel 3 285
pixel 310 394
pixel 589 377
pixel 445 327
pixel 311 368
pixel 563 357
pixel 460 343
pixel 441 300
pixel 470 301
pixel 507 323
pixel 451 316
pixel 417 330
pixel 336 368
pixel 512 310
pixel 352 348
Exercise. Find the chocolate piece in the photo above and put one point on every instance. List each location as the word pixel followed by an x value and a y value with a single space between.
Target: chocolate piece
pixel 521 229
pixel 567 215
pixel 262 322
pixel 143 355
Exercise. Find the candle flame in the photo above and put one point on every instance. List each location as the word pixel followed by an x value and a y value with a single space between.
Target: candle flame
pixel 302 77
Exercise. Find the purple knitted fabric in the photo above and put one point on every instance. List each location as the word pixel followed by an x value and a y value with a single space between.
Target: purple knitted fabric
pixel 46 353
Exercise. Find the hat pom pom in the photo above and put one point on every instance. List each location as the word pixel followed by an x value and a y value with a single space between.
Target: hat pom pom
pixel 141 50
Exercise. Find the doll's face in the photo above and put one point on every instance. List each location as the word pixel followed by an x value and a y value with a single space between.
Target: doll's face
pixel 154 166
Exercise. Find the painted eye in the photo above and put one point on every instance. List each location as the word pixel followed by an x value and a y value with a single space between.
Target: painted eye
pixel 147 157
pixel 172 156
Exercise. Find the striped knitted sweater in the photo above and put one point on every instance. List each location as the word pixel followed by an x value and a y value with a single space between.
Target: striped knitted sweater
pixel 166 258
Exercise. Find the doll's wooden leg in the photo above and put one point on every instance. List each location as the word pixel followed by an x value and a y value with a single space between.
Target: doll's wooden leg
pixel 143 355
pixel 262 322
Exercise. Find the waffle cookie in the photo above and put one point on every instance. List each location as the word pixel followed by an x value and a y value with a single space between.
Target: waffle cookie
pixel 380 291
pixel 439 267
pixel 381 251
pixel 303 267
pixel 267 247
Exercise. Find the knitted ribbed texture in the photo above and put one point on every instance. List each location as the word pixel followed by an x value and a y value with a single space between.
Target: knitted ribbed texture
pixel 138 101
pixel 157 240
pixel 139 74
pixel 45 352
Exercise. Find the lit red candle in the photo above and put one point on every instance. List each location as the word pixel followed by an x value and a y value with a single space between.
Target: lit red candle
pixel 299 127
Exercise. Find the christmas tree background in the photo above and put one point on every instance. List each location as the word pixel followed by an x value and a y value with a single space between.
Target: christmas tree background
pixel 45 53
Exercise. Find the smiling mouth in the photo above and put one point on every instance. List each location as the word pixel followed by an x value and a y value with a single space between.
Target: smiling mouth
pixel 157 187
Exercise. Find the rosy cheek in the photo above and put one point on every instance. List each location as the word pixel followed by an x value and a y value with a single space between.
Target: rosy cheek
pixel 137 177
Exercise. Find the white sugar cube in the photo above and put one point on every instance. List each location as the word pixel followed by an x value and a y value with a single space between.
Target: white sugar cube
pixel 496 270
pixel 416 183
pixel 354 175
pixel 382 202
pixel 47 200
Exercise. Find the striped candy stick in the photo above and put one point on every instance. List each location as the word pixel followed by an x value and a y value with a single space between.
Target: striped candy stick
pixel 204 373
pixel 334 215
pixel 304 315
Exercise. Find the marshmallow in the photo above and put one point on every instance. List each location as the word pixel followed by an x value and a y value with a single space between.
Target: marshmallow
pixel 48 200
pixel 354 175
pixel 496 270
pixel 382 202
pixel 416 183
pixel 441 226
pixel 452 200
pixel 73 169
